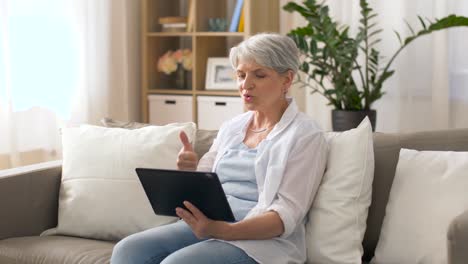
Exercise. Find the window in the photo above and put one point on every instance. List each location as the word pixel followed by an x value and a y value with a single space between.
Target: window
pixel 41 55
pixel 38 76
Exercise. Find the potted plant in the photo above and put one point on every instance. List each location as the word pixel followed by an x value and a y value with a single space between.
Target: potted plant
pixel 330 57
pixel 180 62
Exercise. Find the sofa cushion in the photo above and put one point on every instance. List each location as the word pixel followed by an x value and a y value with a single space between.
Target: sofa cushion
pixel 101 196
pixel 386 151
pixel 428 191
pixel 54 250
pixel 337 218
pixel 203 141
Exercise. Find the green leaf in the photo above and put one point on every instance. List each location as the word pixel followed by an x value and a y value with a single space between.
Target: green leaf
pixel 448 22
pixel 409 39
pixel 371 16
pixel 305 67
pixel 385 76
pixel 399 37
pixel 320 72
pixel 313 47
pixel 422 22
pixel 374 42
pixel 291 7
pixel 410 28
pixel 330 91
pixel 375 33
pixel 371 26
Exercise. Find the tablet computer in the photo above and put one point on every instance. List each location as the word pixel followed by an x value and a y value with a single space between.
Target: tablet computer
pixel 168 189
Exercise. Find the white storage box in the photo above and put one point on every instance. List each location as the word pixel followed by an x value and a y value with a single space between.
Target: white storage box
pixel 214 110
pixel 165 109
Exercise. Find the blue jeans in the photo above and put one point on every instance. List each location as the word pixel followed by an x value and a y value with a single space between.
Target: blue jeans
pixel 175 243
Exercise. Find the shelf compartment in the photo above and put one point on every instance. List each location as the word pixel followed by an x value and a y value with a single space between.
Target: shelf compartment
pixel 163 9
pixel 207 47
pixel 207 9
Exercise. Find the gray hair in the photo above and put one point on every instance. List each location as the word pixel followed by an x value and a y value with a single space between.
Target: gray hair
pixel 269 50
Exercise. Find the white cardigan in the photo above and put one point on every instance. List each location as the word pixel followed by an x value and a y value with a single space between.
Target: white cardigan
pixel 289 167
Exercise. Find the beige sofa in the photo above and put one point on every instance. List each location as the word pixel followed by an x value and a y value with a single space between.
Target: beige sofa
pixel 29 202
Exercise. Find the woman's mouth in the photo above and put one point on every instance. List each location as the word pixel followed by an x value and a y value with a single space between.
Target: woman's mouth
pixel 247 98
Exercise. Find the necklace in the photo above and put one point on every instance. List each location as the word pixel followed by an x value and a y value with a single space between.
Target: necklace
pixel 259 130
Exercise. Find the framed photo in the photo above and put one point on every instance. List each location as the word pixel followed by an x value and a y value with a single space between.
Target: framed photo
pixel 220 75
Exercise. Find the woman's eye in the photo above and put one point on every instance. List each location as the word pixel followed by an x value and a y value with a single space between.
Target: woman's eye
pixel 240 76
pixel 261 76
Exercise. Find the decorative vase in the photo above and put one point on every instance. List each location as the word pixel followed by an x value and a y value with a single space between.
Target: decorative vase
pixel 344 120
pixel 180 77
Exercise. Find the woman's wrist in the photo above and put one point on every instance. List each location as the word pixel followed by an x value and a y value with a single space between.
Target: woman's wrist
pixel 222 230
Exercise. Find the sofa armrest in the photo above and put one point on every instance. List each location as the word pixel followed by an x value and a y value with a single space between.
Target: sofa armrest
pixel 29 199
pixel 458 239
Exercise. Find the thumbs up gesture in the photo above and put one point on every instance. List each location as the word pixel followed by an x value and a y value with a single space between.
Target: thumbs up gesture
pixel 187 159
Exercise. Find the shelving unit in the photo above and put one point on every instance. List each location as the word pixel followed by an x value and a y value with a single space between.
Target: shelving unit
pixel 259 16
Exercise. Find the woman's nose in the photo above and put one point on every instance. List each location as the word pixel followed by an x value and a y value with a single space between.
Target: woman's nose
pixel 248 84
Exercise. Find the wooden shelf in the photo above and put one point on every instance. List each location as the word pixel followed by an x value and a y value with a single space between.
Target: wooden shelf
pixel 189 34
pixel 170 91
pixel 220 34
pixel 169 34
pixel 259 16
pixel 217 93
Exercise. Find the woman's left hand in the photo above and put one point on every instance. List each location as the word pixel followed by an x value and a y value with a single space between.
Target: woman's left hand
pixel 202 226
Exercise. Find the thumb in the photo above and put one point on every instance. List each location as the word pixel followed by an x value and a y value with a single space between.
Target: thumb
pixel 185 141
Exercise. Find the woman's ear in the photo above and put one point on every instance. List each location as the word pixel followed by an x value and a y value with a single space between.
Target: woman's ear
pixel 288 79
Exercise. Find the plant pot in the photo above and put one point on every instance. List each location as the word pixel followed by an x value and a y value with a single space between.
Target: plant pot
pixel 344 120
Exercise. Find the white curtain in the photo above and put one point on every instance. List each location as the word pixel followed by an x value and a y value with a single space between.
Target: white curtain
pixel 429 90
pixel 62 63
pixel 109 64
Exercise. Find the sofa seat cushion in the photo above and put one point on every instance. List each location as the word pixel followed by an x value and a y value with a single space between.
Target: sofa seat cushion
pixel 54 250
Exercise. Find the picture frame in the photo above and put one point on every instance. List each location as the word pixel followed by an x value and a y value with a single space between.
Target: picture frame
pixel 220 75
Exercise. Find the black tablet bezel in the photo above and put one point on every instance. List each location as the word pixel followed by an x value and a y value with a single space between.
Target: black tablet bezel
pixel 167 189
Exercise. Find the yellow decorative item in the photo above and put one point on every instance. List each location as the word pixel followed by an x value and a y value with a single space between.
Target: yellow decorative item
pixel 241 22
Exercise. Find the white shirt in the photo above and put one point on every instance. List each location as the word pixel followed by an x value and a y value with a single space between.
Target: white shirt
pixel 289 166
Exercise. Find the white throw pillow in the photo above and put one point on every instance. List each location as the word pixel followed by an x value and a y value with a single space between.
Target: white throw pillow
pixel 429 190
pixel 337 218
pixel 101 196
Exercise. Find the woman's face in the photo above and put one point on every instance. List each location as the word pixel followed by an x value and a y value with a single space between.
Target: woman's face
pixel 261 88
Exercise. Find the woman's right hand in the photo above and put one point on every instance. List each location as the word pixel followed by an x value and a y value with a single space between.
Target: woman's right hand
pixel 187 159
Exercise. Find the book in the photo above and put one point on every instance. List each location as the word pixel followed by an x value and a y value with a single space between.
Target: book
pixel 172 19
pixel 174 27
pixel 236 16
pixel 240 28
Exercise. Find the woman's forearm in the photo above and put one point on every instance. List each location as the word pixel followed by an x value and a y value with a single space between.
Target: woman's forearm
pixel 265 226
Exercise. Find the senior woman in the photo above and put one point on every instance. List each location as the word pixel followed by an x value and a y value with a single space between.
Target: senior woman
pixel 270 161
